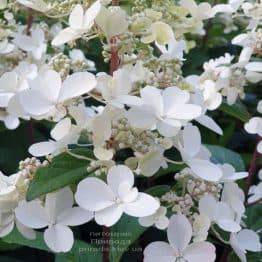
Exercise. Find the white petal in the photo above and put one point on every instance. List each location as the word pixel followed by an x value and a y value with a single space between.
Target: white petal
pixel 145 205
pixel 77 84
pixel 141 117
pixel 11 122
pixel 25 231
pixel 66 35
pixel 146 221
pixel 42 148
pixel 173 96
pixel 208 122
pixel 240 252
pixel 32 214
pixel 74 216
pixel 191 140
pixel 59 238
pixel 93 194
pixel 254 66
pixel 205 169
pixel 162 223
pixel 186 111
pixel 6 229
pixel 207 206
pixel 179 232
pixel 109 216
pixel 58 201
pixel 168 127
pixel 229 225
pixel 44 91
pixel 91 13
pixel 103 154
pixel 61 129
pixel 249 240
pixel 76 17
pixel 118 175
pixel 159 251
pixel 152 96
pixel 199 252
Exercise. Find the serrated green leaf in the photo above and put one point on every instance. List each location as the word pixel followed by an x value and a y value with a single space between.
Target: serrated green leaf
pixel 237 110
pixel 223 155
pixel 64 170
pixel 123 234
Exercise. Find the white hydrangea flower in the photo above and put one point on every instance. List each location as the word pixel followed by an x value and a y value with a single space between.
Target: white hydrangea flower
pixel 80 23
pixel 158 219
pixel 12 190
pixel 174 50
pixel 196 156
pixel 158 32
pixel 230 174
pixel 109 201
pixel 234 196
pixel 11 83
pixel 245 240
pixel 112 21
pixel 254 126
pixel 168 110
pixel 57 214
pixel 113 87
pixel 179 234
pixel 49 92
pixel 202 11
pixel 254 72
pixel 34 44
pixel 219 213
pixel 77 55
pixel 64 133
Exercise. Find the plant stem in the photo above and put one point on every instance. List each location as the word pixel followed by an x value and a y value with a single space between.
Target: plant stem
pixel 106 246
pixel 29 22
pixel 224 257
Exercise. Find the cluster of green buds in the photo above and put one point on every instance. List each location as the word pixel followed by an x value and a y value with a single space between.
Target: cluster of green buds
pixel 29 166
pixel 197 187
pixel 139 141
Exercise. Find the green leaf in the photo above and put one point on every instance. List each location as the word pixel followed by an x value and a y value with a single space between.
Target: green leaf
pixel 172 169
pixel 158 191
pixel 254 217
pixel 223 155
pixel 251 257
pixel 80 252
pixel 16 238
pixel 237 110
pixel 63 170
pixel 123 234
